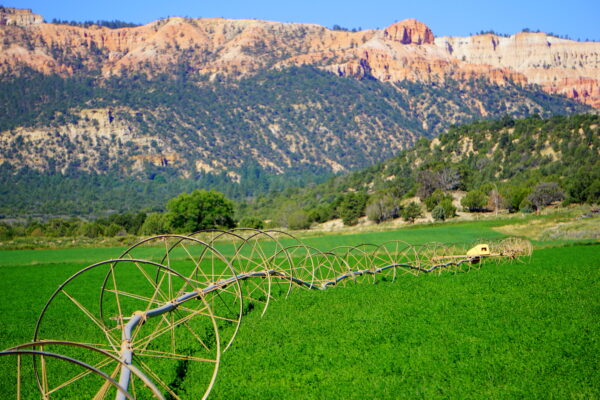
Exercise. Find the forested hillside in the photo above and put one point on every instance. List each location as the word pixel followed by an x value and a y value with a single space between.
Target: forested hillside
pixel 508 157
pixel 293 119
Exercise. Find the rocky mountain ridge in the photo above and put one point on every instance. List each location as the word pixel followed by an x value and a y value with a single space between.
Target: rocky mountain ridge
pixel 221 48
pixel 558 65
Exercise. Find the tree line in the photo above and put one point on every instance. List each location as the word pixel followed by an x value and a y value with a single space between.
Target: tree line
pixel 113 24
pixel 186 213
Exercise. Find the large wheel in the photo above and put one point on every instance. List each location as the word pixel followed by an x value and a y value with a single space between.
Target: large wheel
pixel 175 325
pixel 435 258
pixel 514 249
pixel 298 265
pixel 331 270
pixel 203 266
pixel 395 258
pixel 65 377
pixel 359 260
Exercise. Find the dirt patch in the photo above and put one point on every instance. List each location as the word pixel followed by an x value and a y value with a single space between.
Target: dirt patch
pixel 580 228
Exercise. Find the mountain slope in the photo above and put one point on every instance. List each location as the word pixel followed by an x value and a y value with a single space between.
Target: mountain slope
pixel 218 96
pixel 284 120
pixel 506 154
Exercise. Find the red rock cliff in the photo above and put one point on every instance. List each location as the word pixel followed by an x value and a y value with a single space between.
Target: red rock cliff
pixel 404 50
pixel 409 31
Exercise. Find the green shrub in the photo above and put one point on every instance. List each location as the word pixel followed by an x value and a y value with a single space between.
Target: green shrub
pixel 382 208
pixel 90 230
pixel 593 192
pixel 321 214
pixel 251 222
pixel 449 209
pixel 155 224
pixel 584 186
pixel 438 213
pixel 526 206
pixel 474 201
pixel 6 232
pixel 113 230
pixel 352 207
pixel 436 198
pixel 298 220
pixel 514 196
pixel 57 227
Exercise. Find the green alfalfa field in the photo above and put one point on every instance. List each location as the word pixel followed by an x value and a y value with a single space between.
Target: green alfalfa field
pixel 503 331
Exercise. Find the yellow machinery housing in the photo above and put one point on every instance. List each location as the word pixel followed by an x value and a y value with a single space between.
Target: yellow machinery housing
pixel 481 250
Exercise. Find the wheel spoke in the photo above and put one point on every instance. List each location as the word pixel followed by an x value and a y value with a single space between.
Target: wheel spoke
pixel 83 374
pixel 91 316
pixel 174 356
pixel 103 391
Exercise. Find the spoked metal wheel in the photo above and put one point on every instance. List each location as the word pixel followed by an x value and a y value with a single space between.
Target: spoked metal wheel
pixel 162 326
pixel 395 258
pixel 514 249
pixel 436 257
pixel 84 380
pixel 331 270
pixel 360 260
pixel 296 262
pixel 205 268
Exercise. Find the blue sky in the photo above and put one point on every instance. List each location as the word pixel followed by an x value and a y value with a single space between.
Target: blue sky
pixel 576 18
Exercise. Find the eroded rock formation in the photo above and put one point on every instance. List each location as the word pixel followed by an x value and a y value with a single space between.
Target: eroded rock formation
pixel 19 17
pixel 220 47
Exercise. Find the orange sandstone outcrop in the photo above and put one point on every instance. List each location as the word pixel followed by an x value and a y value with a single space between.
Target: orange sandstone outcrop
pixel 409 31
pixel 19 17
pixel 221 47
pixel 558 65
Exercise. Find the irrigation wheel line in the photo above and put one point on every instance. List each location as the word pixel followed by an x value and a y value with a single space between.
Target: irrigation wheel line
pixel 255 251
pixel 155 331
pixel 298 261
pixel 295 260
pixel 172 296
pixel 248 256
pixel 358 258
pixel 283 259
pixel 395 252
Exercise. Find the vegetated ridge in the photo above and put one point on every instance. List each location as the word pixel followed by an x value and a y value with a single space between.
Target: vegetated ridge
pixel 508 155
pixel 299 118
pixel 270 131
